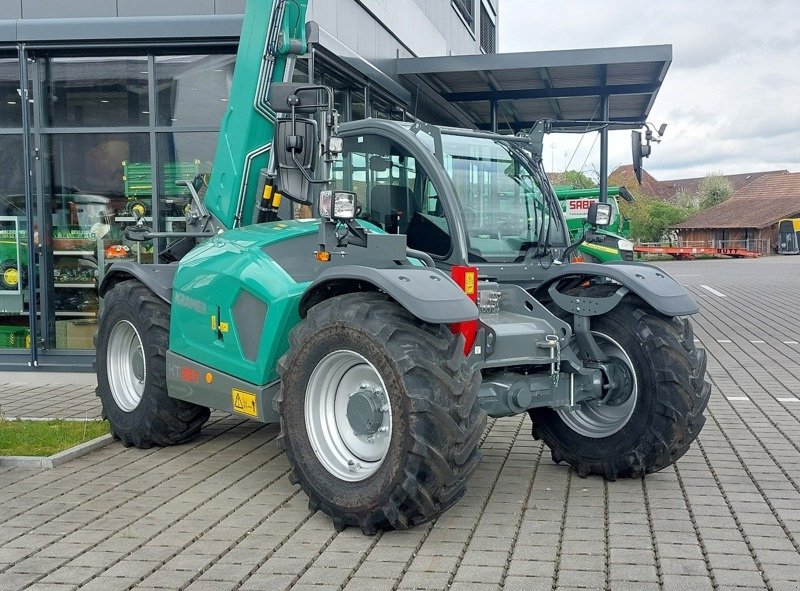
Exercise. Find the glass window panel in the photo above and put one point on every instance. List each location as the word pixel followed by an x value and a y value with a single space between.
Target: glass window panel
pixel 98 91
pixel 183 156
pixel 10 101
pixel 193 90
pixel 12 177
pixel 88 194
pixel 357 108
pixel 393 191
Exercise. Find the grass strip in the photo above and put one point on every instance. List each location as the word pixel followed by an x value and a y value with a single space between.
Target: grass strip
pixel 45 438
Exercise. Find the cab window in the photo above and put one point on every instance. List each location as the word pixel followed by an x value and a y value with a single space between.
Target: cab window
pixel 394 192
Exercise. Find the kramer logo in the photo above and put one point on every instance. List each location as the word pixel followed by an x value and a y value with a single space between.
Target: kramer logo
pixel 185 301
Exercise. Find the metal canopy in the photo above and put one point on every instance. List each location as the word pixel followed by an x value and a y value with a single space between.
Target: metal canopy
pixel 512 91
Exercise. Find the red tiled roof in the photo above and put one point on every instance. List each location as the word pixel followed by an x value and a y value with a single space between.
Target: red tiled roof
pixel 667 190
pixel 758 204
pixel 623 176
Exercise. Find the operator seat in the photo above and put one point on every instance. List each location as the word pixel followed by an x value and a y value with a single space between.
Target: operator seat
pixel 393 206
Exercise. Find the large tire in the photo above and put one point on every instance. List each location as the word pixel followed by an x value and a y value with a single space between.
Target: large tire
pixel 660 420
pixel 132 341
pixel 426 400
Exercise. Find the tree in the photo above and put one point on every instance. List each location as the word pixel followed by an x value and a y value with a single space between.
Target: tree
pixel 651 218
pixel 713 190
pixel 572 178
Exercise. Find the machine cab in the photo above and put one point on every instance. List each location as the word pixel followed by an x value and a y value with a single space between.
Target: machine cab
pixel 463 199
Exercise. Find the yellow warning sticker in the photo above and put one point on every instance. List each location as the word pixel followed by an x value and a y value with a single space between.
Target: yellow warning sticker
pixel 244 402
pixel 223 327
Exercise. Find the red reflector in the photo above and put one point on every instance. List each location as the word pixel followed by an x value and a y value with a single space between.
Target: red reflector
pixel 467 279
pixel 189 375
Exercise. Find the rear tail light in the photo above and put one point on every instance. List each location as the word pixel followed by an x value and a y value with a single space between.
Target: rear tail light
pixel 467 279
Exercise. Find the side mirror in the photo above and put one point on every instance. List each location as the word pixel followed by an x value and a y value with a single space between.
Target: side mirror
pixel 337 205
pixel 640 151
pixel 599 214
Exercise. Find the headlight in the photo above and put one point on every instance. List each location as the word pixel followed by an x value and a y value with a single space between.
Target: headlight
pixel 623 244
pixel 337 205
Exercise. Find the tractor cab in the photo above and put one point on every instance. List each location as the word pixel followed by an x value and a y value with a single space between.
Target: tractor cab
pixel 464 197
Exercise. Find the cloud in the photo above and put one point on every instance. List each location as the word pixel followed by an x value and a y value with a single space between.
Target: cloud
pixel 730 94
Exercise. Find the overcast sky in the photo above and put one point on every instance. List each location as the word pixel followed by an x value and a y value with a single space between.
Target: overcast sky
pixel 731 97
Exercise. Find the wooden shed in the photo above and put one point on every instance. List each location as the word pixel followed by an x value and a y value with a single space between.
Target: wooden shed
pixel 749 218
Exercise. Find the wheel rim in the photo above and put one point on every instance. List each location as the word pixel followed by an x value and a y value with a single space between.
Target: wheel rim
pixel 11 276
pixel 348 415
pixel 127 367
pixel 598 421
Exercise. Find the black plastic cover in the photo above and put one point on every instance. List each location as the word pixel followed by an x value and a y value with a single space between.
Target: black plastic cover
pixel 429 294
pixel 158 278
pixel 654 285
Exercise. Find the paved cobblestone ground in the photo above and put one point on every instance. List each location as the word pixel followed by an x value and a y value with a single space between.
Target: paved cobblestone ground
pixel 220 514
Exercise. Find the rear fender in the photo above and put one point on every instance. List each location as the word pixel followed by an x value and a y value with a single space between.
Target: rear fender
pixel 429 294
pixel 654 285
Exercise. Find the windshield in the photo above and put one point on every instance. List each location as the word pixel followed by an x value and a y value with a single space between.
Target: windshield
pixel 505 211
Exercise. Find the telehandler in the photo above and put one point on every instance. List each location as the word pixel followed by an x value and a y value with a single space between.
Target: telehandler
pixel 433 289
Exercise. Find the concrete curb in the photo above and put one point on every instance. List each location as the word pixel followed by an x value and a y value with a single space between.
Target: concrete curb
pixel 62 457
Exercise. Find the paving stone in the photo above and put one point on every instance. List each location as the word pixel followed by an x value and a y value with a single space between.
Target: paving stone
pixel 125 518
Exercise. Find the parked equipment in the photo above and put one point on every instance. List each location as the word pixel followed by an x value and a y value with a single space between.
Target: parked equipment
pixel 430 292
pixel 789 236
pixel 608 244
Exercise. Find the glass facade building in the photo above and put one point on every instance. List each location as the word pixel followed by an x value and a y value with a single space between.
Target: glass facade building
pixel 91 129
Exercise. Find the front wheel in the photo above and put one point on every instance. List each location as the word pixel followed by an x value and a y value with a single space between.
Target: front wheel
pixel 663 411
pixel 379 414
pixel 132 340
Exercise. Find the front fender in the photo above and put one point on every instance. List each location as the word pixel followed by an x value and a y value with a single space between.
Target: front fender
pixel 654 285
pixel 429 294
pixel 157 278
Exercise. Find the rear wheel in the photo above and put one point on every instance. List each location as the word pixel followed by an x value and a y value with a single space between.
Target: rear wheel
pixel 379 414
pixel 662 413
pixel 132 342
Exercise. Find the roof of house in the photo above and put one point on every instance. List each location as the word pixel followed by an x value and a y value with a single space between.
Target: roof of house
pixel 758 204
pixel 669 189
pixel 623 176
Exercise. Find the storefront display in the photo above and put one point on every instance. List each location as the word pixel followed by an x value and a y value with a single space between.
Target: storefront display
pixel 110 136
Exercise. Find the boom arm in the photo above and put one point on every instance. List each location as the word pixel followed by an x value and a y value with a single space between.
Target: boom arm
pixel 273 35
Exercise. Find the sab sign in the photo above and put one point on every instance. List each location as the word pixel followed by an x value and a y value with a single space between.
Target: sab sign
pixel 575 209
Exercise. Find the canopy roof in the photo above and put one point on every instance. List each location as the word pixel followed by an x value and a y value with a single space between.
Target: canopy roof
pixel 555 85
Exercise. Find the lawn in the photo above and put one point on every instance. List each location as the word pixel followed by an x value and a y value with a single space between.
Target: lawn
pixel 44 438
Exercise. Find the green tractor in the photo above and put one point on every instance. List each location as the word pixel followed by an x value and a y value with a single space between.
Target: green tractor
pixel 611 243
pixel 381 334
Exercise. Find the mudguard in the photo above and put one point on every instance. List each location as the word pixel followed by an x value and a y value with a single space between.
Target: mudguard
pixel 654 285
pixel 157 278
pixel 429 294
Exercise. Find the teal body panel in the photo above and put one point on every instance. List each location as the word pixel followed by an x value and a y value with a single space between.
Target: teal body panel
pixel 207 285
pixel 247 128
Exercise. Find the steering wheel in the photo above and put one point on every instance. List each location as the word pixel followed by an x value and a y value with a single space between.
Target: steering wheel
pixel 509 225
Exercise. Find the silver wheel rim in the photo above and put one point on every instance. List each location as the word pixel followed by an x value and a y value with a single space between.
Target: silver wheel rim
pixel 598 421
pixel 344 453
pixel 127 366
